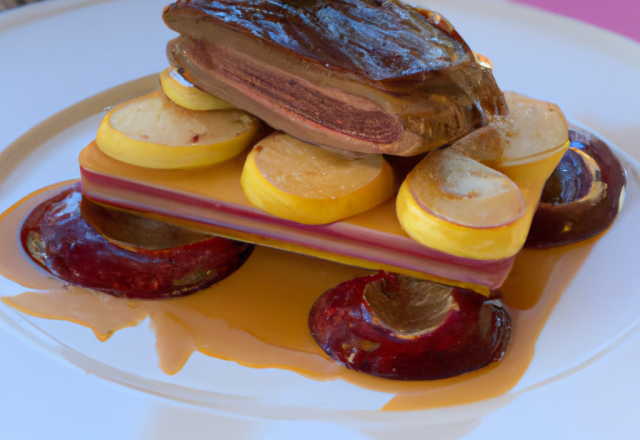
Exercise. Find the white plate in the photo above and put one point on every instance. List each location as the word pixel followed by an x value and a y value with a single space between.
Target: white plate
pixel 582 381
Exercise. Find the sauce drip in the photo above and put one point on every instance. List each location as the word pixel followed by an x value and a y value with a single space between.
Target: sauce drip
pixel 258 316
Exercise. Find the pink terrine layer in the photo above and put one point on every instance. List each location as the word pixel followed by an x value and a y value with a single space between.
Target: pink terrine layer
pixel 372 248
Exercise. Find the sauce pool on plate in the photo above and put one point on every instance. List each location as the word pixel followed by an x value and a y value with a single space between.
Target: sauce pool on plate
pixel 258 316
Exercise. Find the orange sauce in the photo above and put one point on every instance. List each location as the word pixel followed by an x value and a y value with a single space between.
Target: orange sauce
pixel 258 316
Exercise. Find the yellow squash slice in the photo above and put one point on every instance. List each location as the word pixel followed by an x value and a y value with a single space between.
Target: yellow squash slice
pixel 297 181
pixel 477 198
pixel 153 132
pixel 186 95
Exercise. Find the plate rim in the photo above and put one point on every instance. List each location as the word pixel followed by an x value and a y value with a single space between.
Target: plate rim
pixel 35 12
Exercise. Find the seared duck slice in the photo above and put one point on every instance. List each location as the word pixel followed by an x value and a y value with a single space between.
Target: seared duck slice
pixel 364 76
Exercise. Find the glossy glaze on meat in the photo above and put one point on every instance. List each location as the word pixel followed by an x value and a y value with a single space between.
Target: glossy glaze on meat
pixel 358 75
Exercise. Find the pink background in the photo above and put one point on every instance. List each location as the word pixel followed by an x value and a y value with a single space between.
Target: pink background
pixel 620 16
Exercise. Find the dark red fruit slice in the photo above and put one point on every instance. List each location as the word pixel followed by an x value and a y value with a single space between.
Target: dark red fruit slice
pixel 56 237
pixel 399 327
pixel 583 195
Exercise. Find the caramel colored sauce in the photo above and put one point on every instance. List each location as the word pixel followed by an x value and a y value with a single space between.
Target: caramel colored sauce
pixel 258 316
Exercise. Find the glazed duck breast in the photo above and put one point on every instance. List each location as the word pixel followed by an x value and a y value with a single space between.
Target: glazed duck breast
pixel 367 76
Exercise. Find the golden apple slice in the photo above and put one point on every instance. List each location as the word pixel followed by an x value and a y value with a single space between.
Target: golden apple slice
pixel 297 181
pixel 186 95
pixel 477 199
pixel 533 130
pixel 454 203
pixel 153 132
pixel 463 191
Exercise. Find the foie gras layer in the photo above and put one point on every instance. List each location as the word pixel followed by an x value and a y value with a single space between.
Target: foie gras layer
pixel 211 199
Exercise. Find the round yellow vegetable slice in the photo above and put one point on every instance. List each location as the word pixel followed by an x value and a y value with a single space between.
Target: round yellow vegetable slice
pixel 455 204
pixel 297 181
pixel 153 132
pixel 477 198
pixel 186 95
